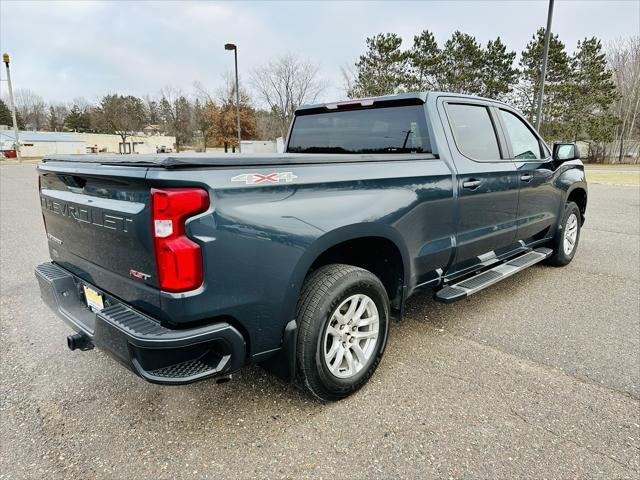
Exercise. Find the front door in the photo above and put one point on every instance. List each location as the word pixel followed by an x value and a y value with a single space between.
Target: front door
pixel 487 184
pixel 539 198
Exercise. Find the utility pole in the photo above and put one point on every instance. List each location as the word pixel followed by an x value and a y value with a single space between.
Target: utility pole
pixel 6 60
pixel 231 46
pixel 543 73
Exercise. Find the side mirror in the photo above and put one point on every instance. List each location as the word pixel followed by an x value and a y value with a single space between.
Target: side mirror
pixel 563 152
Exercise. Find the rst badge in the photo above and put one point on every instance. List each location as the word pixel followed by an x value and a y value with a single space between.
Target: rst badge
pixel 54 239
pixel 259 178
pixel 140 275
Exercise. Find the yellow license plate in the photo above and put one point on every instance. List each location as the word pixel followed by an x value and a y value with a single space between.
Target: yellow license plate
pixel 93 298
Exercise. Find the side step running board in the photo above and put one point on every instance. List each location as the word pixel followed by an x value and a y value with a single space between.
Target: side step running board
pixel 458 291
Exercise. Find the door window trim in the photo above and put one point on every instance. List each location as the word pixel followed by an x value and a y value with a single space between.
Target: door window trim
pixel 503 147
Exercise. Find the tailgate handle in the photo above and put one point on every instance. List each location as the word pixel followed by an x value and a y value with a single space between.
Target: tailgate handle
pixel 471 184
pixel 73 181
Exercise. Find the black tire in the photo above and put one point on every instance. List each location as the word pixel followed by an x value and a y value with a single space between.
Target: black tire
pixel 560 258
pixel 323 292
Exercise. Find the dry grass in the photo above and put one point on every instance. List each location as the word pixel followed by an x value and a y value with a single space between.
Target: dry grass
pixel 614 178
pixel 612 166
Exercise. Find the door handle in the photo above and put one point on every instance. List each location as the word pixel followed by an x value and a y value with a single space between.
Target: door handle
pixel 526 177
pixel 471 184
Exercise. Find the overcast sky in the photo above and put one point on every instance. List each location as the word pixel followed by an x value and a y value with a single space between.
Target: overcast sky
pixel 70 49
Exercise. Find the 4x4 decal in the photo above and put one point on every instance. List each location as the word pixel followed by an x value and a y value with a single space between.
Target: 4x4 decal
pixel 258 178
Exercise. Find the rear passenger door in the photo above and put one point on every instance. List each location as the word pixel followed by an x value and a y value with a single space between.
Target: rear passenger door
pixel 539 199
pixel 487 182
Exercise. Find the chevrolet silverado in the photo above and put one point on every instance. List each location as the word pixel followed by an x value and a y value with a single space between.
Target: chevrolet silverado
pixel 190 266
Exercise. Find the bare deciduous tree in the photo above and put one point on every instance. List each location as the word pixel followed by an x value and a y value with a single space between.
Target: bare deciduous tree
pixel 202 120
pixel 226 93
pixel 202 93
pixel 623 56
pixel 31 108
pixel 82 103
pixel 57 116
pixel 286 83
pixel 348 75
pixel 205 112
pixel 268 125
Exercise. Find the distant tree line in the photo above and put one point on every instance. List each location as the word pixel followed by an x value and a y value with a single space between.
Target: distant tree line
pixel 590 94
pixel 198 119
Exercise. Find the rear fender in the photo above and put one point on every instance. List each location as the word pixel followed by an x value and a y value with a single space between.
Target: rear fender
pixel 283 364
pixel 331 239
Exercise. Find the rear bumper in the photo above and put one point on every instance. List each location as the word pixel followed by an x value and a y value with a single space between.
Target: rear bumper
pixel 156 353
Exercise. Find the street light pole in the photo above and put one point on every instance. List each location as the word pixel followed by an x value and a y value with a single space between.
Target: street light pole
pixel 12 102
pixel 231 46
pixel 543 73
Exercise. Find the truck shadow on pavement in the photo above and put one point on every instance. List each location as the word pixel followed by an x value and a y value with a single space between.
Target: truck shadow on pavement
pixel 261 389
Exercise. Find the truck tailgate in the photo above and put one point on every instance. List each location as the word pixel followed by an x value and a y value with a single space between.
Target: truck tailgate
pixel 98 225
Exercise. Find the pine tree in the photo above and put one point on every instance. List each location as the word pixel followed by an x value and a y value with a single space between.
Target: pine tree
pixel 424 63
pixel 592 92
pixel 78 120
pixel 176 113
pixel 6 118
pixel 461 66
pixel 154 116
pixel 498 73
pixel 381 70
pixel 556 92
pixel 5 114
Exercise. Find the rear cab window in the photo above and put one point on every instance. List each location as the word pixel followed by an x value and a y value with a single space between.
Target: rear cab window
pixel 395 129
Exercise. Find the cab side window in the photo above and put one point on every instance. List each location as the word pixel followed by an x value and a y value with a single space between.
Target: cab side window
pixel 473 131
pixel 524 144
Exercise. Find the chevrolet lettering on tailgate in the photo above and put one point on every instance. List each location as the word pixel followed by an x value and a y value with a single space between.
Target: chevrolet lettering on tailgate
pixel 84 214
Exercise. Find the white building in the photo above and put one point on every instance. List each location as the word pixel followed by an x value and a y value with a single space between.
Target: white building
pixel 258 146
pixel 101 142
pixel 39 144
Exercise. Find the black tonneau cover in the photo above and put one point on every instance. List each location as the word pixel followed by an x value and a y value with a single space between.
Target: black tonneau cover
pixel 184 160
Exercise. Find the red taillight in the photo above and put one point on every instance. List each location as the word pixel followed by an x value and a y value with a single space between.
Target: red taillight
pixel 178 258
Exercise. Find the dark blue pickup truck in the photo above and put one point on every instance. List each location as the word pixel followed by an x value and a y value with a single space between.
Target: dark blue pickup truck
pixel 189 266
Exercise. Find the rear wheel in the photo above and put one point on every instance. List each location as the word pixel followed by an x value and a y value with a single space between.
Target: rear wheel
pixel 343 315
pixel 565 243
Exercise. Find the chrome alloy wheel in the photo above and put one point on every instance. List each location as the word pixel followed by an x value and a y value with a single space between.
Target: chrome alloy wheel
pixel 351 336
pixel 570 234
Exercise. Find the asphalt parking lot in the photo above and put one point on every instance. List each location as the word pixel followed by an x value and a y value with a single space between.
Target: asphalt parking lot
pixel 538 376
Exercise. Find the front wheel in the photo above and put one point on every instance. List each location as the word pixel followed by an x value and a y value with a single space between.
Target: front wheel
pixel 343 318
pixel 565 243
